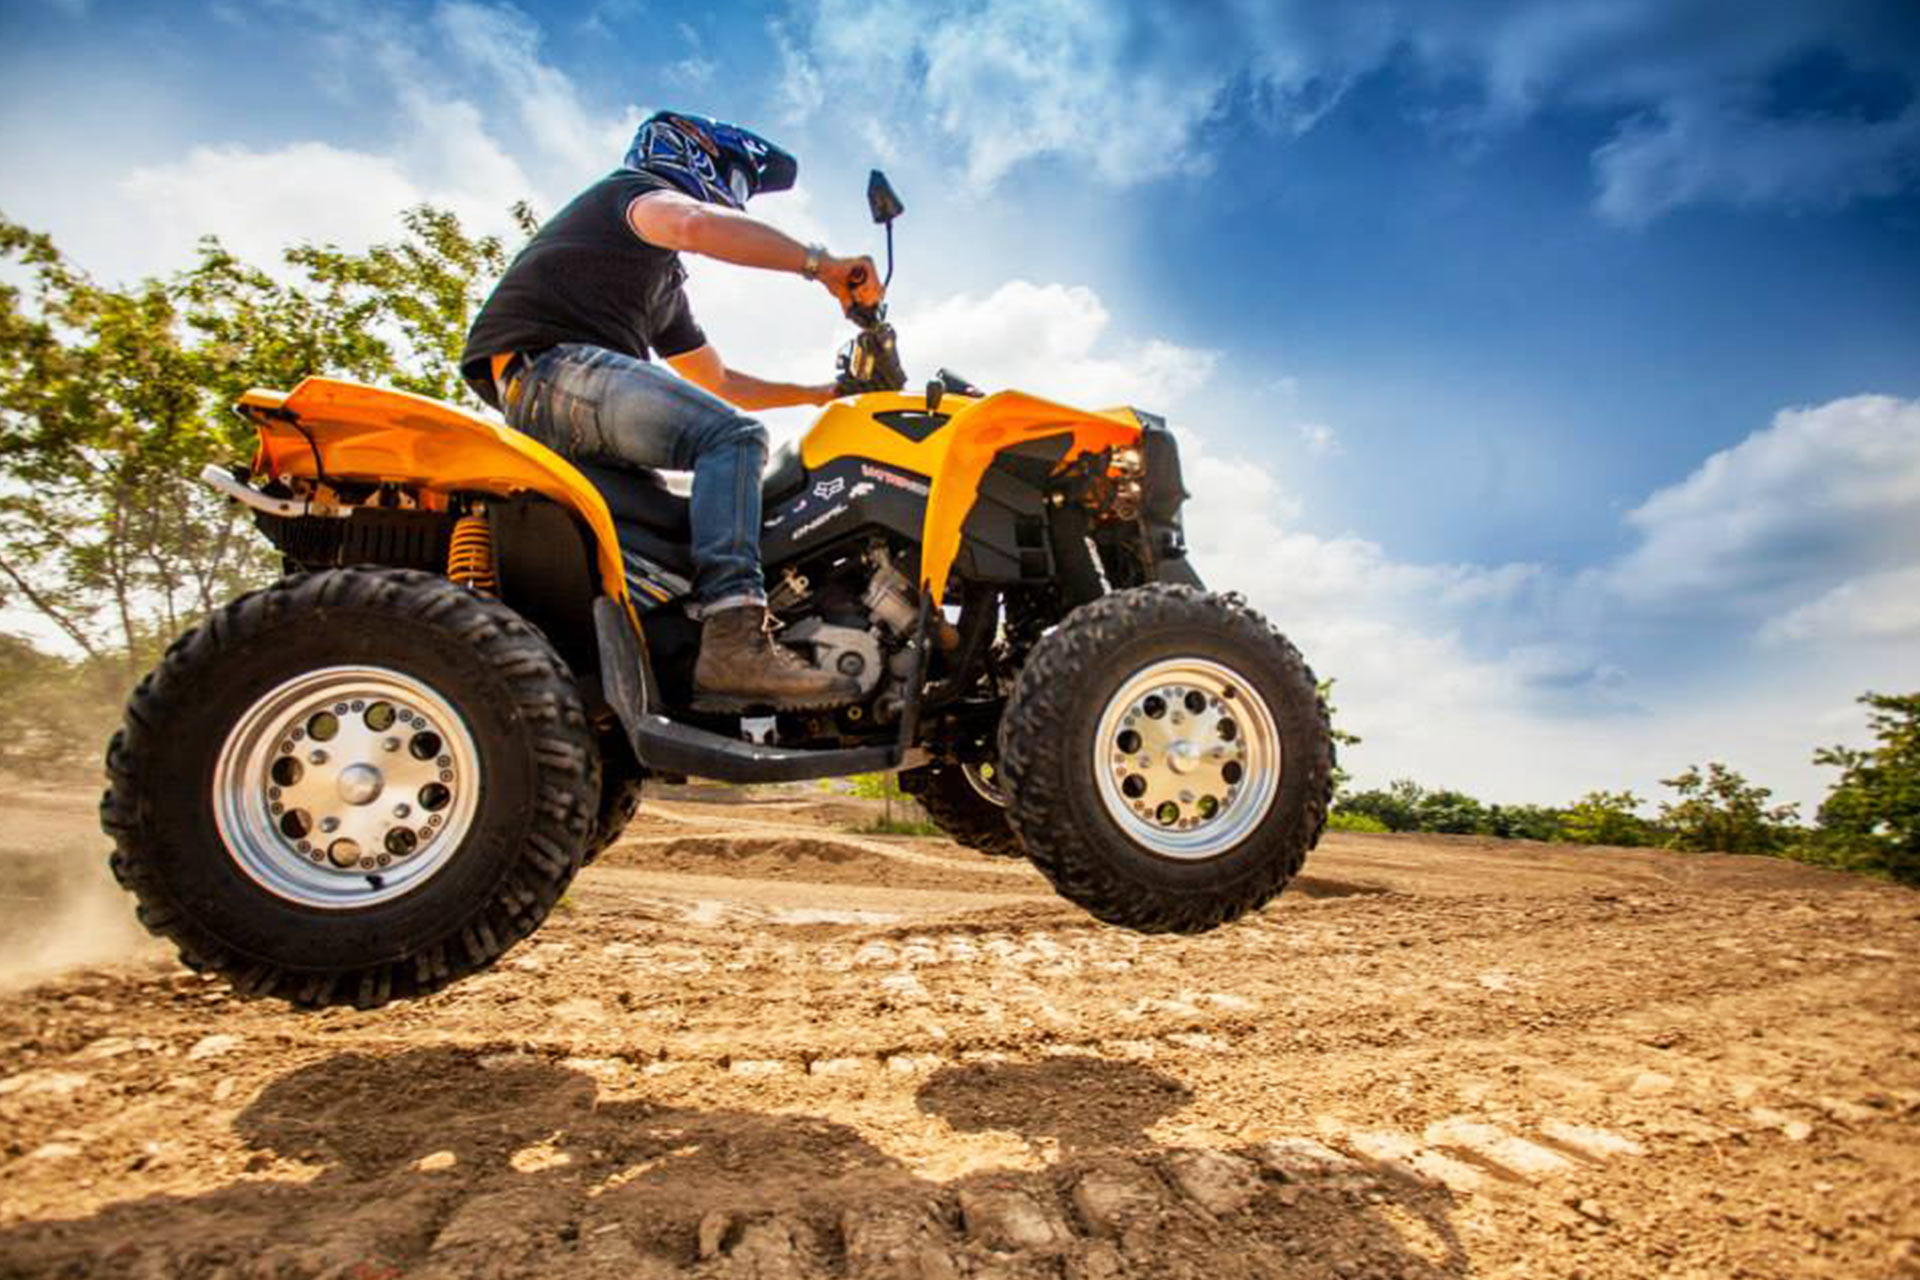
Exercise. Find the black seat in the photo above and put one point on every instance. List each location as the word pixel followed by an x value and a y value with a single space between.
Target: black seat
pixel 786 475
pixel 638 495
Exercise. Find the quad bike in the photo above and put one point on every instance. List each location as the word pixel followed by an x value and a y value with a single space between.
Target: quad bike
pixel 374 776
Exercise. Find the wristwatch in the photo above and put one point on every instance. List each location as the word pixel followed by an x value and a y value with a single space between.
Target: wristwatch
pixel 816 254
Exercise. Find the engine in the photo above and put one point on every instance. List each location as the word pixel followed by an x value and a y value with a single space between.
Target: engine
pixel 852 613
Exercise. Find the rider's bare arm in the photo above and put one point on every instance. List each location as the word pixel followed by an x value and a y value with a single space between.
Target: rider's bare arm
pixel 703 367
pixel 673 221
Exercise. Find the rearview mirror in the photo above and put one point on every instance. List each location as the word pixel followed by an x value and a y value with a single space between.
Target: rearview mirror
pixel 881 200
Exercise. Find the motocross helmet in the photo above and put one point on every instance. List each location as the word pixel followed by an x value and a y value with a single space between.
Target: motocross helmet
pixel 708 159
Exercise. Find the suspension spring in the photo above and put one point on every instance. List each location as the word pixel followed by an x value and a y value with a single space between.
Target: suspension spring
pixel 470 554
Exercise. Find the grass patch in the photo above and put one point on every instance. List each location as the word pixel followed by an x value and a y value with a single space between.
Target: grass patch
pixel 884 826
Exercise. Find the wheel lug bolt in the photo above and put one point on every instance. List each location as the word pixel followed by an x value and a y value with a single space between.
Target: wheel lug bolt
pixel 329 824
pixel 390 744
pixel 402 810
pixel 317 756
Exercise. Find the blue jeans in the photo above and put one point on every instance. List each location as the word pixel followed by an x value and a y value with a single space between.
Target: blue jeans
pixel 589 404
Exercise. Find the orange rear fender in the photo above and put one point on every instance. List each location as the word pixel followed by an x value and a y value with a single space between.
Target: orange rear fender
pixel 373 435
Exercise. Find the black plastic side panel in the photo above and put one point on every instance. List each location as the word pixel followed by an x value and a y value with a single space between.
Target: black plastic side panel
pixel 914 424
pixel 1004 539
pixel 1165 493
pixel 544 563
pixel 844 495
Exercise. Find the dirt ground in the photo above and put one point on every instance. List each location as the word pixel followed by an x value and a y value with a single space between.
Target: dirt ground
pixel 753 1045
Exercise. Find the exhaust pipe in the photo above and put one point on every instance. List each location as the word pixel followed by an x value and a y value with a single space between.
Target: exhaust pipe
pixel 217 477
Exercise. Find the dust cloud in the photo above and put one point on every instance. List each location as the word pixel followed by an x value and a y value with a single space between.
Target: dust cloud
pixel 59 905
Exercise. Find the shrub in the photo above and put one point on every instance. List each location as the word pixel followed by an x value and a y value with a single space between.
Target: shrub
pixel 1720 810
pixel 1870 820
pixel 1606 817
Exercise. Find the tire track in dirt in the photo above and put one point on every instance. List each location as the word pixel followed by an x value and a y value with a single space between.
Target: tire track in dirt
pixel 818 1074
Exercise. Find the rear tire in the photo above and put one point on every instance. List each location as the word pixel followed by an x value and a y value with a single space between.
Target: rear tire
pixel 1167 759
pixel 361 703
pixel 957 805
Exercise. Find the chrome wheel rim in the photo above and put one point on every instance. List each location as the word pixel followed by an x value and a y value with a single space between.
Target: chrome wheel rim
pixel 346 787
pixel 984 777
pixel 1187 758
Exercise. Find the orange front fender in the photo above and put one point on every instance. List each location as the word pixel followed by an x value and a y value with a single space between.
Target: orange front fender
pixel 957 456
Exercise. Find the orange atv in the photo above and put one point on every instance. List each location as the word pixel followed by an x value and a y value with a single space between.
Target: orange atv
pixel 376 775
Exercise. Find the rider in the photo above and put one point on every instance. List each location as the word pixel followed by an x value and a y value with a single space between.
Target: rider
pixel 561 349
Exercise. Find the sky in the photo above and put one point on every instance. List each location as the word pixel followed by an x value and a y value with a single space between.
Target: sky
pixel 1549 372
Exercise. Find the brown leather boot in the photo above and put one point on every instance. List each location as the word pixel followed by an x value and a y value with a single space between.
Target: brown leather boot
pixel 741 667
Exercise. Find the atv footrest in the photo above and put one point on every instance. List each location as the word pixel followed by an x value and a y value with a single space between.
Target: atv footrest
pixel 667 747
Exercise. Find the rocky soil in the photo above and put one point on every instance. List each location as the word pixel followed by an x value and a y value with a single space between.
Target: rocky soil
pixel 753 1045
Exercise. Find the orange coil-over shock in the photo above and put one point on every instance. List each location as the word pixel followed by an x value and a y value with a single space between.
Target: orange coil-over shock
pixel 470 554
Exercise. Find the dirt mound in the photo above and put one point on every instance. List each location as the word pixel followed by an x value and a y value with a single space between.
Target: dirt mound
pixel 814 859
pixel 751 1047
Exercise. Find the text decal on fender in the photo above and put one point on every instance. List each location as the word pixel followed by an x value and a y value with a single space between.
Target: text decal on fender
pixel 894 480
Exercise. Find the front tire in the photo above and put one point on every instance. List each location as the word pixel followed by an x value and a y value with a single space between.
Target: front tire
pixel 1167 759
pixel 351 787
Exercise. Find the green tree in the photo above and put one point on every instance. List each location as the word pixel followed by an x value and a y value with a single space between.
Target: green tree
pixel 1396 807
pixel 102 412
pixel 1341 738
pixel 1870 820
pixel 1524 822
pixel 418 294
pixel 1720 810
pixel 112 399
pixel 1606 817
pixel 1449 813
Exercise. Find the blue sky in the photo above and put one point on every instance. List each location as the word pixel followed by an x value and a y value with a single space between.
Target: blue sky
pixel 1551 371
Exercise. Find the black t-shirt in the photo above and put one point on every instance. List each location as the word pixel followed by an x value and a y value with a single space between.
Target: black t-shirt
pixel 586 277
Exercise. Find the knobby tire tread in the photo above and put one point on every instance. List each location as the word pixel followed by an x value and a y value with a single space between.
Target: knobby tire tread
pixel 565 758
pixel 1032 746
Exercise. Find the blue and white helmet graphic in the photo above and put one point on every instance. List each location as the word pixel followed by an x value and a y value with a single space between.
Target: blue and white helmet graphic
pixel 708 159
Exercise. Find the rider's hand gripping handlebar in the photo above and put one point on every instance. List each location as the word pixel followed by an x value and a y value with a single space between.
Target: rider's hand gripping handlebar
pixel 871 362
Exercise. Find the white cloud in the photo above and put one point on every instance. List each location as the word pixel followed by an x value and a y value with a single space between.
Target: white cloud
pixel 505 45
pixel 1050 339
pixel 1821 495
pixel 1876 606
pixel 259 202
pixel 1690 152
pixel 445 148
pixel 1132 91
